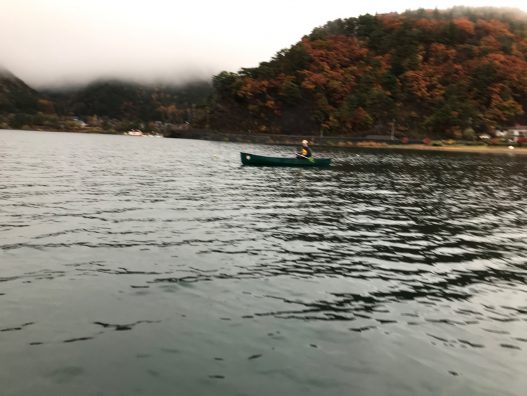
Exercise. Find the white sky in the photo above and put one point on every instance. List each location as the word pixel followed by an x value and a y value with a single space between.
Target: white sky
pixel 49 42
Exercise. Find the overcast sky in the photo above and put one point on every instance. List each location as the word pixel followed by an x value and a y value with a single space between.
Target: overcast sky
pixel 50 42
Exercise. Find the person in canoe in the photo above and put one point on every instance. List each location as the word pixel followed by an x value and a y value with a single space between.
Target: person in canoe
pixel 305 151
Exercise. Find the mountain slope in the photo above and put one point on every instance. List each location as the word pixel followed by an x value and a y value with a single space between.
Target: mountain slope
pixel 127 100
pixel 425 72
pixel 15 95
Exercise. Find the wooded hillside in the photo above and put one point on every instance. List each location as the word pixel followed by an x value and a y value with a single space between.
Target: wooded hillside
pixel 425 72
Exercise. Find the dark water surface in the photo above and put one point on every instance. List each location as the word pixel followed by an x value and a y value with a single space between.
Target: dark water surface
pixel 142 266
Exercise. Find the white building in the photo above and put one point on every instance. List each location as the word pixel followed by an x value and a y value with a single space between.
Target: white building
pixel 517 133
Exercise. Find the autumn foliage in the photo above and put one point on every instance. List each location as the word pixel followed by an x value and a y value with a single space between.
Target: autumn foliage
pixel 427 72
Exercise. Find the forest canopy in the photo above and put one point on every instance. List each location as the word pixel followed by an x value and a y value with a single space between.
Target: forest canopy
pixel 424 72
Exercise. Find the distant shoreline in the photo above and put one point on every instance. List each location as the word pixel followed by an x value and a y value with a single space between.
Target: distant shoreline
pixel 322 142
pixel 337 142
pixel 453 148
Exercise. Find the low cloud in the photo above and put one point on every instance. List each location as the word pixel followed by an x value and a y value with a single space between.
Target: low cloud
pixel 61 42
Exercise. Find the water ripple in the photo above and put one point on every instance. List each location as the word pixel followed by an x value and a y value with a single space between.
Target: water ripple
pixel 418 256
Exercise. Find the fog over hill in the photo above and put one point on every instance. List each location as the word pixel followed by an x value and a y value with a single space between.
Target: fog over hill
pixel 444 73
pixel 62 42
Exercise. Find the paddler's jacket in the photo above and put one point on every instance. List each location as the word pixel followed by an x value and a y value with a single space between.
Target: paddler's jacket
pixel 306 151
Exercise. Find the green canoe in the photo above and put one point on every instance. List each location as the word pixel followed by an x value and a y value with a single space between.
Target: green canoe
pixel 259 160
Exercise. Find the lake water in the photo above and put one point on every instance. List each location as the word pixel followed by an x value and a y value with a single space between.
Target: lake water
pixel 142 266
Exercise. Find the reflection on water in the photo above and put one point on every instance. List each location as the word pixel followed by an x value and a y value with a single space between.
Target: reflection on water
pixel 157 266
